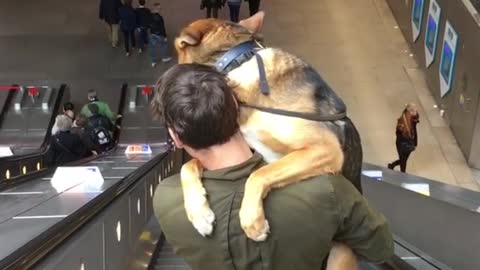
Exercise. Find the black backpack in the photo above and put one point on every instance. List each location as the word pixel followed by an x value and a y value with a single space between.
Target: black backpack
pixel 99 130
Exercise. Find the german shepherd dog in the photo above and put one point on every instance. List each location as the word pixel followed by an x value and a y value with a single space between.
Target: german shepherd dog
pixel 295 147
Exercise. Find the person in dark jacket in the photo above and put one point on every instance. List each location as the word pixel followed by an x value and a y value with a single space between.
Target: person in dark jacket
pixel 109 14
pixel 306 218
pixel 143 15
pixel 64 146
pixel 234 6
pixel 128 23
pixel 253 6
pixel 100 129
pixel 407 138
pixel 79 128
pixel 212 7
pixel 158 36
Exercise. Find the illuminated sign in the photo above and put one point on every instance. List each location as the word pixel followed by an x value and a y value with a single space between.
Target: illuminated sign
pixel 5 151
pixel 423 189
pixel 88 178
pixel 417 15
pixel 431 34
pixel 447 61
pixel 138 149
pixel 373 174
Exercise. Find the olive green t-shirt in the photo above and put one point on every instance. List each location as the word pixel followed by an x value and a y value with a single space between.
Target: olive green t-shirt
pixel 304 219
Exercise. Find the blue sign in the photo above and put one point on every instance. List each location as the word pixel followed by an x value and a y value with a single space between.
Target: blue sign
pixel 431 34
pixel 417 15
pixel 447 61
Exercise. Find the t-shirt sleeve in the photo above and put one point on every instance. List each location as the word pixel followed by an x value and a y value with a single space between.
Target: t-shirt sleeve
pixel 362 228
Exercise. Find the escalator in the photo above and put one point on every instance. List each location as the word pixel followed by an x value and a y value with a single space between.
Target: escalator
pixel 18 169
pixel 28 115
pixel 20 165
pixel 110 224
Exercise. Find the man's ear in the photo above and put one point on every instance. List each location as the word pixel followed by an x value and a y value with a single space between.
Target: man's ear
pixel 175 138
pixel 254 24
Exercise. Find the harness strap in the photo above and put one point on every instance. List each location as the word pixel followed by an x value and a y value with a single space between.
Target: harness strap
pixel 306 116
pixel 262 75
pixel 243 52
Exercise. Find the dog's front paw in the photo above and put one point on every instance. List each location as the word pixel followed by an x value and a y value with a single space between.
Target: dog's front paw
pixel 199 213
pixel 253 222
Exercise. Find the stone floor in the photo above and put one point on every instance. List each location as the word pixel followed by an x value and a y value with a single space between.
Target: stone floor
pixel 355 45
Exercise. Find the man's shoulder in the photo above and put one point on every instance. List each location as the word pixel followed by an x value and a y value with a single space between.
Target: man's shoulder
pixel 168 194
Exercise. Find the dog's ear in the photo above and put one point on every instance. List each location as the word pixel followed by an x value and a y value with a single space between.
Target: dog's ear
pixel 188 39
pixel 254 24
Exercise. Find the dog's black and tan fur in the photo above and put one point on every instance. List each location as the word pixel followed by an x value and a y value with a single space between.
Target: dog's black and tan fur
pixel 295 148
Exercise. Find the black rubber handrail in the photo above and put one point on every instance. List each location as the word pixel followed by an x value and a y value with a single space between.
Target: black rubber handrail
pixel 6 106
pixel 36 249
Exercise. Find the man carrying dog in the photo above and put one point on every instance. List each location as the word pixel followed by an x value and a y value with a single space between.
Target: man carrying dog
pixel 306 218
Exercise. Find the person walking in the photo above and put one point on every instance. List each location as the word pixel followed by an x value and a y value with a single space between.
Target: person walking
pixel 128 22
pixel 158 37
pixel 253 6
pixel 109 14
pixel 212 7
pixel 407 138
pixel 234 7
pixel 143 15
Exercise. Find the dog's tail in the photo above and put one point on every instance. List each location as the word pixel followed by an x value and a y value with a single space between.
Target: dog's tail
pixel 353 155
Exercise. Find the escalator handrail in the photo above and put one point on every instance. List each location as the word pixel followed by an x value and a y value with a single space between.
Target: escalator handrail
pixel 39 247
pixel 44 146
pixel 6 106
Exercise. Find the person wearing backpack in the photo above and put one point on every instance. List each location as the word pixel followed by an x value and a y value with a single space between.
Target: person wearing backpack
pixel 100 129
pixel 103 107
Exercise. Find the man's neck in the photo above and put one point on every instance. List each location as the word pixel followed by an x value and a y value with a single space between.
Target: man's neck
pixel 231 153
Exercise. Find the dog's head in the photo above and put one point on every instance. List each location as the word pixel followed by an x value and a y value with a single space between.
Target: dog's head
pixel 205 40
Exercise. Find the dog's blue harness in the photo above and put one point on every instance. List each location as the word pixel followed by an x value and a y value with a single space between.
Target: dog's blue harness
pixel 243 52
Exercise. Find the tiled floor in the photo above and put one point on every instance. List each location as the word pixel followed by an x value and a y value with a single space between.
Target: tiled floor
pixel 354 44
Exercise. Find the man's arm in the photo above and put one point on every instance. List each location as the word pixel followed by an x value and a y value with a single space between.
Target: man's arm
pixel 108 112
pixel 362 228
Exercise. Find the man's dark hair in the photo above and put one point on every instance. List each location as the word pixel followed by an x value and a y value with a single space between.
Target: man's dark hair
pixel 197 103
pixel 68 106
pixel 127 3
pixel 93 108
pixel 141 2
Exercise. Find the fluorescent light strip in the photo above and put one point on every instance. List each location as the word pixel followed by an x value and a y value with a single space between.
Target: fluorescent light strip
pixel 40 217
pixel 22 193
pixel 124 168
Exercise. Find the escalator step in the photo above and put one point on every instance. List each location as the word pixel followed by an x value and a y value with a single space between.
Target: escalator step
pixel 167 260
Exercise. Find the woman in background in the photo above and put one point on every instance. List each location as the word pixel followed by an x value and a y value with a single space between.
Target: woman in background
pixel 406 136
pixel 128 24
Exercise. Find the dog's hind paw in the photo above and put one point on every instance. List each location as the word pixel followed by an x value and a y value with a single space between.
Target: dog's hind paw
pixel 200 214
